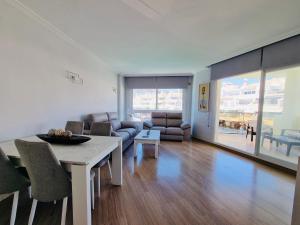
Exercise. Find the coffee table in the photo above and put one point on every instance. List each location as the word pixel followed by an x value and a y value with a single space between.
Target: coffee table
pixel 152 138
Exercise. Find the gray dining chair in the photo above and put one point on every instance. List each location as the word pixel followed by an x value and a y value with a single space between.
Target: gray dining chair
pixel 101 129
pixel 11 181
pixel 76 127
pixel 21 169
pixel 49 181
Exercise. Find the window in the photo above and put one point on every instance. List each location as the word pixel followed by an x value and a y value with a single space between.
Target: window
pixel 169 99
pixel 144 99
pixel 147 100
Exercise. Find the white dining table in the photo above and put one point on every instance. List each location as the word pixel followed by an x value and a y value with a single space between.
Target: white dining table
pixel 81 158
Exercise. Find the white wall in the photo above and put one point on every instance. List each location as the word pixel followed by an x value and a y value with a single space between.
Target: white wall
pixel 187 103
pixel 34 93
pixel 203 123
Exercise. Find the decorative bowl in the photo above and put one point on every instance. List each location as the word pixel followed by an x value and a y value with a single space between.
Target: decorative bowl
pixel 63 140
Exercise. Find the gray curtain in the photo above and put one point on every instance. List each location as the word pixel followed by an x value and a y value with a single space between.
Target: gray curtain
pixel 140 82
pixel 282 54
pixel 245 63
pixel 154 82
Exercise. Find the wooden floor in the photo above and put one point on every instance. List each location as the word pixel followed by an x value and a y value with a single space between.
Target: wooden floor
pixel 191 183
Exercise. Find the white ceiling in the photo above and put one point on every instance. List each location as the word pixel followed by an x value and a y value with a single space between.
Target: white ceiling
pixel 170 36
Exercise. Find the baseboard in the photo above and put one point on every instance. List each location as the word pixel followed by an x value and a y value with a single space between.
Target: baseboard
pixel 251 157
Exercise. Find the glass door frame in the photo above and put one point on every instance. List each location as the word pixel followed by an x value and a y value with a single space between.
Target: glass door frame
pixel 260 112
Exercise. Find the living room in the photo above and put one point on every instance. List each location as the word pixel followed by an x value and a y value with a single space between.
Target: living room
pixel 149 112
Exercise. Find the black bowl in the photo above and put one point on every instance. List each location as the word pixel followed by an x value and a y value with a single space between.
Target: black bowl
pixel 73 140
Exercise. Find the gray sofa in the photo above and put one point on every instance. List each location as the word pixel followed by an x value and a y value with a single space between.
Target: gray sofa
pixel 127 130
pixel 170 125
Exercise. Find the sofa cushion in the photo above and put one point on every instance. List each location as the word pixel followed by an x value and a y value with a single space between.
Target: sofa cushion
pixel 130 124
pixel 130 131
pixel 116 124
pixel 173 115
pixel 112 115
pixel 159 119
pixel 160 122
pixel 174 122
pixel 162 129
pixel 174 131
pixel 124 135
pixel 99 117
pixel 95 117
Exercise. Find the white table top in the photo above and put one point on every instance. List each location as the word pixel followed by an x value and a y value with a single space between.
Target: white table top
pixel 86 153
pixel 153 135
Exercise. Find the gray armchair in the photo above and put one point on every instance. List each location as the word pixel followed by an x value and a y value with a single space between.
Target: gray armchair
pixel 170 125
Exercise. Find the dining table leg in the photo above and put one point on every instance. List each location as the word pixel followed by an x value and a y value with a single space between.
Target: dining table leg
pixel 81 194
pixel 117 165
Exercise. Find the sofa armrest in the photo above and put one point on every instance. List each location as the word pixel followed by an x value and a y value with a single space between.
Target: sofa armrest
pixel 115 134
pixel 185 126
pixel 148 124
pixel 186 131
pixel 129 124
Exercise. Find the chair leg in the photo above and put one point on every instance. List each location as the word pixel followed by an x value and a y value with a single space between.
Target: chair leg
pixel 32 212
pixel 109 168
pixel 99 181
pixel 64 211
pixel 93 194
pixel 14 208
pixel 29 192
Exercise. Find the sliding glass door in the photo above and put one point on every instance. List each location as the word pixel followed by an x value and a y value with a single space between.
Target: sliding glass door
pixel 280 132
pixel 239 100
pixel 237 111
